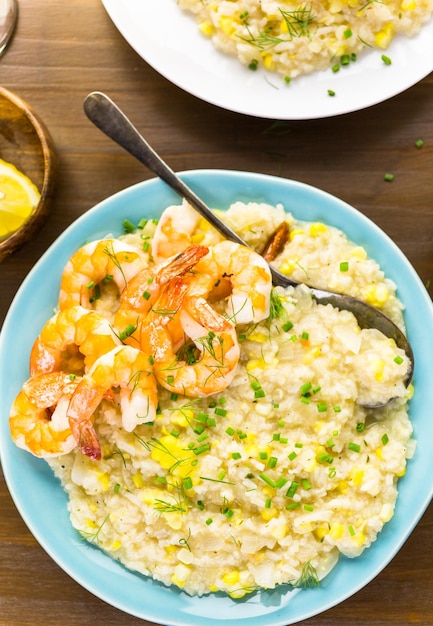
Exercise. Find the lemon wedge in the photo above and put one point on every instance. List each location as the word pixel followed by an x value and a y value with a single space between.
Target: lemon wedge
pixel 18 197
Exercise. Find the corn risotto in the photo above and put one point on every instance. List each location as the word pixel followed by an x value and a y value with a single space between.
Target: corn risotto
pixel 267 482
pixel 292 38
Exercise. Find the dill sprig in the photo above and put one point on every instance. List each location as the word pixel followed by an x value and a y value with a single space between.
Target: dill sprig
pixel 308 578
pixel 94 536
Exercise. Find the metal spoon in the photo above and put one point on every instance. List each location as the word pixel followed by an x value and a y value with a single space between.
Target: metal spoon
pixel 8 20
pixel 107 116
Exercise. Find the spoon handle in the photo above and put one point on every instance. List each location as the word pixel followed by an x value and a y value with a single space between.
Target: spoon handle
pixel 107 116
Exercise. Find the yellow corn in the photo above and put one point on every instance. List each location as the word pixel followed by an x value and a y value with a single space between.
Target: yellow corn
pixel 255 364
pixel 138 481
pixel 357 476
pixel 359 253
pixel 336 531
pixel 279 532
pixel 295 233
pixel 268 62
pixel 320 532
pixel 268 514
pixel 231 578
pixel 408 5
pixel 383 38
pixel 116 545
pixel 258 337
pixel 206 28
pixel 317 228
pixel 227 25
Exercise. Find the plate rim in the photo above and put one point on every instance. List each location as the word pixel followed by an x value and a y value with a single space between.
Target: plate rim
pixel 197 178
pixel 180 61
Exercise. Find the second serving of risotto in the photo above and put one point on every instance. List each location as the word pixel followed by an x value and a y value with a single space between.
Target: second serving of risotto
pixel 211 430
pixel 293 38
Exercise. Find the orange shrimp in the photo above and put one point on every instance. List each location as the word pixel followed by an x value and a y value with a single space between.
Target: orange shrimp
pixel 213 352
pixel 179 227
pixel 67 337
pixel 144 289
pixel 37 419
pixel 106 261
pixel 125 369
pixel 240 276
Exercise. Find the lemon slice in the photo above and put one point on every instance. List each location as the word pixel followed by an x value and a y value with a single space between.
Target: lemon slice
pixel 18 197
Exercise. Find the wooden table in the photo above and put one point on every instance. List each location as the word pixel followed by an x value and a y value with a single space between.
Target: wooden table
pixel 62 51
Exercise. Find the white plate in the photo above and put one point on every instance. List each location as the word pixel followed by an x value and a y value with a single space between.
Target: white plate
pixel 168 39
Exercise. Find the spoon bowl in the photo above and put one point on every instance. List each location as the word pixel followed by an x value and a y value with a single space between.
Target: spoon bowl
pixel 107 116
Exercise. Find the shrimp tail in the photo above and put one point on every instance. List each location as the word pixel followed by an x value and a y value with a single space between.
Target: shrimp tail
pixel 82 405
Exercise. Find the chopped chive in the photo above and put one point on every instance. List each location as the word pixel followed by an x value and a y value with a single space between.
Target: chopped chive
pixel 385 439
pixel 306 388
pixel 386 59
pixel 389 177
pixel 292 456
pixel 266 479
pixel 351 530
pixel 283 440
pixel 308 507
pixel 170 380
pixel 116 488
pixel 299 445
pixel 263 455
pixel 221 475
pixel 419 143
pixel 209 521
pixel 293 505
pixel 228 512
pixel 287 326
pixel 230 431
pixel 236 456
pixel 221 412
pixel 204 448
pixel 306 484
pixel 331 93
pixel 202 437
pixel 398 360
pixel 175 433
pixel 347 33
pixel 200 505
pixel 336 409
pixel 276 437
pixel 146 295
pixel 345 59
pixel 211 421
pixel 259 393
pixel 142 223
pixel 322 407
pixel 360 427
pixel 128 226
pixel 292 489
pixel 355 447
pixel 305 336
pixel 187 482
pixel 272 462
pixel 268 503
pixel 281 482
pixel 335 68
pixel 344 266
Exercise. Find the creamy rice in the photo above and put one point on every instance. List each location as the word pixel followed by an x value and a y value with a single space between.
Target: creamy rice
pixel 268 482
pixel 293 38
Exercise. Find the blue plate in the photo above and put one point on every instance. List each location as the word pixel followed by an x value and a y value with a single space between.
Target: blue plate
pixel 40 498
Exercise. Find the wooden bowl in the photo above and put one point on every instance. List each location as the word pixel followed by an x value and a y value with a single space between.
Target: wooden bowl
pixel 25 142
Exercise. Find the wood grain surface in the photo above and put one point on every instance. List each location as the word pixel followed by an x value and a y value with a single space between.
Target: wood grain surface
pixel 63 50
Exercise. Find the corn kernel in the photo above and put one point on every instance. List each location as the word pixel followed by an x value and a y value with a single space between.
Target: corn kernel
pixel 268 62
pixel 317 228
pixel 91 523
pixel 342 486
pixel 383 38
pixel 206 28
pixel 227 25
pixel 359 538
pixel 231 578
pixel 295 233
pixel 320 532
pixel 255 364
pixel 287 267
pixel 359 253
pixel 408 5
pixel 336 531
pixel 258 337
pixel 174 520
pixel 197 238
pixel 104 480
pixel 357 476
pixel 138 481
pixel 268 514
pixel 376 295
pixel 116 545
